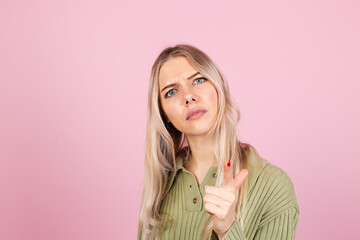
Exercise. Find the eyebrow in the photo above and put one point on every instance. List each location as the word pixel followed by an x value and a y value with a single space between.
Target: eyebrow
pixel 174 84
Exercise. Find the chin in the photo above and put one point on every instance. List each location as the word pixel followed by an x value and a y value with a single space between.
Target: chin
pixel 197 130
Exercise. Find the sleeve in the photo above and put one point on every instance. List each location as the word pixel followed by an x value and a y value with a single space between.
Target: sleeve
pixel 139 234
pixel 281 227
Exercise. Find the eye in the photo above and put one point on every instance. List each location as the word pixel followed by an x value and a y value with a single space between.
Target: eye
pixel 203 79
pixel 168 93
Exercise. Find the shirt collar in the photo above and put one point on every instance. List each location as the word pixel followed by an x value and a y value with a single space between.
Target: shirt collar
pixel 178 166
pixel 255 166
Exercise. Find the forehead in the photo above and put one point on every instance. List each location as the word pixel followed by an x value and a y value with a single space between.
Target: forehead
pixel 174 69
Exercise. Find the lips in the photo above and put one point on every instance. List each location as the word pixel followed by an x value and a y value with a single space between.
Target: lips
pixel 194 111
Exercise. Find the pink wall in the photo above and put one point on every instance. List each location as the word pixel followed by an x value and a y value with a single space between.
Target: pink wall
pixel 73 95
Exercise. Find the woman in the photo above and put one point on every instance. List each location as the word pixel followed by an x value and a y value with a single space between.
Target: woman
pixel 201 182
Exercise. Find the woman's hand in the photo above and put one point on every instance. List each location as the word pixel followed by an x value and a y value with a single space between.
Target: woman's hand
pixel 221 201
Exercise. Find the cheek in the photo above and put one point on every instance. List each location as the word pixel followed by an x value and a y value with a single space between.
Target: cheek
pixel 170 114
pixel 214 98
pixel 170 111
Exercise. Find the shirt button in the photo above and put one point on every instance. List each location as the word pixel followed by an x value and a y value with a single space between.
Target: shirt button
pixel 195 200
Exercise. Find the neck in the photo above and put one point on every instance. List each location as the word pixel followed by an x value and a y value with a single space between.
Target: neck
pixel 202 154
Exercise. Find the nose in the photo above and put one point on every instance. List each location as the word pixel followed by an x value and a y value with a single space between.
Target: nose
pixel 190 98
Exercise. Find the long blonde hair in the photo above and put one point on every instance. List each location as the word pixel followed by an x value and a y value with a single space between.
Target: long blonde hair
pixel 164 142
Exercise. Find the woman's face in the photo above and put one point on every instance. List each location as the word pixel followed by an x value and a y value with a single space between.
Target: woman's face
pixel 182 90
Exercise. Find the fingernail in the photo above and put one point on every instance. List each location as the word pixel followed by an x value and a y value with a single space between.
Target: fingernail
pixel 229 163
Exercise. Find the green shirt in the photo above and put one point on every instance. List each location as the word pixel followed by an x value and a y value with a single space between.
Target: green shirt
pixel 272 208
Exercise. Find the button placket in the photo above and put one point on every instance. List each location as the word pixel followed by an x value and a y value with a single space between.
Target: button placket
pixel 193 200
pixel 210 179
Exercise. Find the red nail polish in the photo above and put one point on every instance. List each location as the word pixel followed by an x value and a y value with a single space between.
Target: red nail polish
pixel 229 163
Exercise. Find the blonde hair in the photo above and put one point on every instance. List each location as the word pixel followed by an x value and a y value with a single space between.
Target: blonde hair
pixel 164 143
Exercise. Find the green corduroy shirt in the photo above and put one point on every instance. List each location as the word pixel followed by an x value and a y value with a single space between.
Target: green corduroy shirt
pixel 272 208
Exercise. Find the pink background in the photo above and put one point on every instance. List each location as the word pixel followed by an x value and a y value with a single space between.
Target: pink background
pixel 73 97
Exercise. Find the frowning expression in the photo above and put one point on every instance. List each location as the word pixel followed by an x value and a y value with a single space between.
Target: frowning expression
pixel 183 89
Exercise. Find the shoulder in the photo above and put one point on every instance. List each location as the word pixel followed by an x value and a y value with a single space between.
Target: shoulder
pixel 270 186
pixel 276 176
pixel 276 179
pixel 268 177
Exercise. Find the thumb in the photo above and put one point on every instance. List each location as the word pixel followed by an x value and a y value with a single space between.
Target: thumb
pixel 240 177
pixel 228 175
